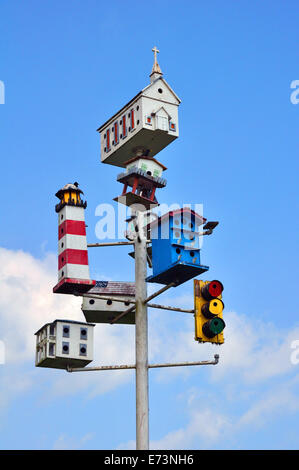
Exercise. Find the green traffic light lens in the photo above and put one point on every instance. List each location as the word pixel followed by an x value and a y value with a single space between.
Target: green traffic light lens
pixel 213 327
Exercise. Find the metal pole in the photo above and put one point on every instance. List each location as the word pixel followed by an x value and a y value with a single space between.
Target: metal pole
pixel 160 291
pixel 141 343
pixel 150 366
pixel 175 309
pixel 94 245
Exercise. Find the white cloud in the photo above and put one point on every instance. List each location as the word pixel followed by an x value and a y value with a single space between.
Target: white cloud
pixel 204 428
pixel 65 442
pixel 27 303
pixel 248 360
pixel 208 424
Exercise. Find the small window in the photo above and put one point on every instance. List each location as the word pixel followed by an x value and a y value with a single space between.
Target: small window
pixel 65 348
pixel 148 120
pixel 51 349
pixel 83 333
pixel 160 90
pixel 52 329
pixel 83 350
pixel 66 331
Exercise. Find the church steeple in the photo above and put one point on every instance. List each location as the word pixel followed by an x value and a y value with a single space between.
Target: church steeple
pixel 156 71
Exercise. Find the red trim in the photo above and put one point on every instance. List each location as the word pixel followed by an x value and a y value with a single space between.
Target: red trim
pixel 124 126
pixel 116 132
pixel 72 256
pixel 71 227
pixel 125 189
pixel 135 184
pixel 132 119
pixel 153 194
pixel 179 211
pixel 108 139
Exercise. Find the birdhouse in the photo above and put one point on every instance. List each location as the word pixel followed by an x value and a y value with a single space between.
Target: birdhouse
pixel 143 176
pixel 64 343
pixel 148 122
pixel 73 269
pixel 176 247
pixel 105 310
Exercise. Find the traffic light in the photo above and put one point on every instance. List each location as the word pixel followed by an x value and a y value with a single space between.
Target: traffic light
pixel 208 307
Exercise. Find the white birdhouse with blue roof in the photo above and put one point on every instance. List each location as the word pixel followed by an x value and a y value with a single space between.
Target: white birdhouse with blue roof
pixel 176 247
pixel 146 124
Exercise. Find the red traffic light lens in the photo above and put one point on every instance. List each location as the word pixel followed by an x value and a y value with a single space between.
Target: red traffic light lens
pixel 212 290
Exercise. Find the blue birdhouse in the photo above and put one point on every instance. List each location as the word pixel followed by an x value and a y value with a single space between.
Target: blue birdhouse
pixel 176 247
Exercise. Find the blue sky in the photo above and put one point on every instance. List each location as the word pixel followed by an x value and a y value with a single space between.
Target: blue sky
pixel 67 67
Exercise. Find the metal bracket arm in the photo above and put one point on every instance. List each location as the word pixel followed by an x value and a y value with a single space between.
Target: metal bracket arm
pixel 150 366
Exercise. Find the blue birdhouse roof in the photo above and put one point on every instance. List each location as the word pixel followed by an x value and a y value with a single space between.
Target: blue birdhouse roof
pixel 189 213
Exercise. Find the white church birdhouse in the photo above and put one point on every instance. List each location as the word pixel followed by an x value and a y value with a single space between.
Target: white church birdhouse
pixel 147 124
pixel 64 343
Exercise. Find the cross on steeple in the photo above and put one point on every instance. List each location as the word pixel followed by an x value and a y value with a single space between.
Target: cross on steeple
pixel 155 50
pixel 156 71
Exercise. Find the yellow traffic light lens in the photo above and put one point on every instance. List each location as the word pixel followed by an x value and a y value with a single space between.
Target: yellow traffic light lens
pixel 213 308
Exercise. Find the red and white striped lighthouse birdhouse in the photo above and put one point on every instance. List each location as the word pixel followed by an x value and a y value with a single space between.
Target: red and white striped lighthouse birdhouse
pixel 142 176
pixel 73 269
